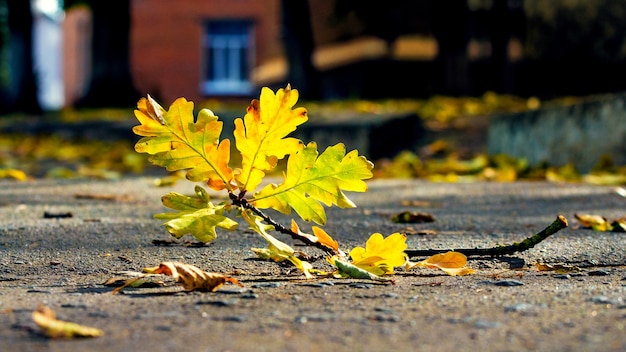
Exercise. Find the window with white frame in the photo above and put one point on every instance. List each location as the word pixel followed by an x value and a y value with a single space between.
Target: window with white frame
pixel 228 57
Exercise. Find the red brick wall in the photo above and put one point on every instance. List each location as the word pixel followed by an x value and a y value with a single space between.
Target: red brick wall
pixel 166 48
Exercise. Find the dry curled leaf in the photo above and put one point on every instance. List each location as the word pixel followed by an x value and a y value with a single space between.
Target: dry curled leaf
pixel 134 283
pixel 557 268
pixel 191 277
pixel 600 223
pixel 412 217
pixel 46 319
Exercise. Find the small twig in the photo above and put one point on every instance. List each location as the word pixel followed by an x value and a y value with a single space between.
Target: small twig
pixel 558 224
pixel 241 202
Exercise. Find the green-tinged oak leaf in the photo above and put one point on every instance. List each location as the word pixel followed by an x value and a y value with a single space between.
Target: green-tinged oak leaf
pixel 261 136
pixel 276 250
pixel 196 216
pixel 311 180
pixel 453 263
pixel 380 255
pixel 176 142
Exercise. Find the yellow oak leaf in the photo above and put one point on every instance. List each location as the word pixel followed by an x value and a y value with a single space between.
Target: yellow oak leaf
pixel 453 263
pixel 176 142
pixel 380 255
pixel 261 136
pixel 311 180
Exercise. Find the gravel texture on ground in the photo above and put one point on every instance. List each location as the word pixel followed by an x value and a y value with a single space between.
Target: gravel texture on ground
pixel 508 305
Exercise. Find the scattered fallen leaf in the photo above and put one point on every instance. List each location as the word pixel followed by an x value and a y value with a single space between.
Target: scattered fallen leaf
pixel 164 242
pixel 600 223
pixel 15 174
pixel 45 318
pixel 134 283
pixel 421 232
pixel 558 268
pixel 415 203
pixel 453 263
pixel 49 215
pixel 108 197
pixel 412 217
pixel 619 225
pixel 191 277
pixel 124 259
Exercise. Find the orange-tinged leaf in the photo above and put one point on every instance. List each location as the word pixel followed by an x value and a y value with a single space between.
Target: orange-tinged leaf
pixel 46 319
pixel 176 142
pixel 380 255
pixel 295 228
pixel 453 263
pixel 446 260
pixel 324 238
pixel 311 180
pixel 191 277
pixel 261 136
pixel 319 236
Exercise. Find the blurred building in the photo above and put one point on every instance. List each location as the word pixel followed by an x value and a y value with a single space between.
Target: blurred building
pixel 230 48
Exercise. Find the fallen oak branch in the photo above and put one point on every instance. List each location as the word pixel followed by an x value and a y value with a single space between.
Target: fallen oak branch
pixel 528 243
pixel 309 241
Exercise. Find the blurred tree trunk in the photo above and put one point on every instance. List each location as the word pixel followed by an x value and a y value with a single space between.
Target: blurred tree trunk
pixel 500 36
pixel 298 40
pixel 111 83
pixel 450 27
pixel 18 85
pixel 5 69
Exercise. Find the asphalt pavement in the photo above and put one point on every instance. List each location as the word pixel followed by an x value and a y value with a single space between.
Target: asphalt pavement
pixel 60 240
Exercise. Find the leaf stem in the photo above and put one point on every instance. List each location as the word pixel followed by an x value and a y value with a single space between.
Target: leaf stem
pixel 528 243
pixel 242 202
